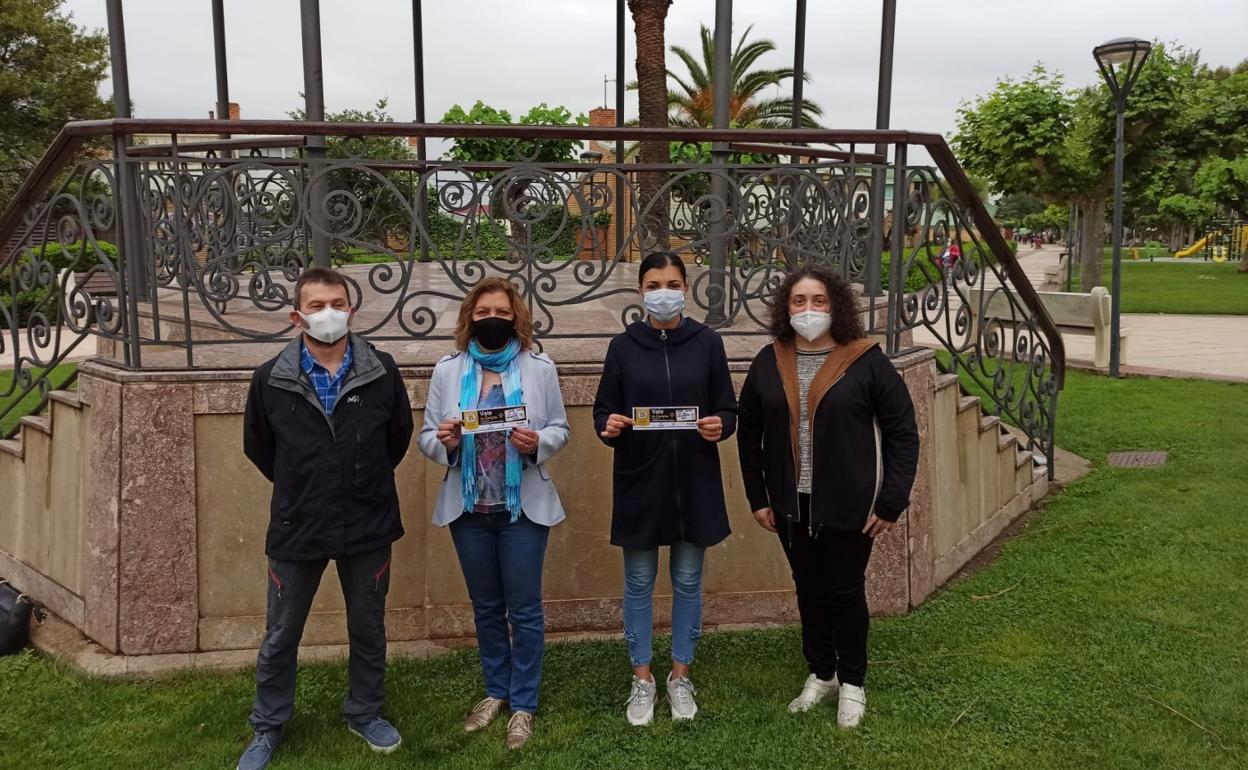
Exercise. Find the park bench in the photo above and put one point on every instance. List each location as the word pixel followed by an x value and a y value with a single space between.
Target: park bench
pixel 97 284
pixel 1055 275
pixel 1085 314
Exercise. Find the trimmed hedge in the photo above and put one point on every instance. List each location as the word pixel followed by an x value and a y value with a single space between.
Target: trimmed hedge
pixel 21 304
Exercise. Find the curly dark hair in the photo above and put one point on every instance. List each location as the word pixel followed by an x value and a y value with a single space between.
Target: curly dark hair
pixel 846 321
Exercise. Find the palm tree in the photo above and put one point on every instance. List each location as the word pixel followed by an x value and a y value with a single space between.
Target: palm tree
pixel 692 103
pixel 649 26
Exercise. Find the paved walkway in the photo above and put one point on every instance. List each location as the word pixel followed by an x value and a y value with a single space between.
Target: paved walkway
pixel 1201 346
pixel 84 349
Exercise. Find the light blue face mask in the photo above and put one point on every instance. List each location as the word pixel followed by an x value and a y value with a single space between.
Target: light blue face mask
pixel 664 304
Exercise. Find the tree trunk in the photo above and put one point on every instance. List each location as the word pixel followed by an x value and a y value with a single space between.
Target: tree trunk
pixel 1091 241
pixel 649 23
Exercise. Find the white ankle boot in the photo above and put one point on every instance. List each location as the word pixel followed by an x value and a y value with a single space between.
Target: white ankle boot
pixel 851 707
pixel 814 691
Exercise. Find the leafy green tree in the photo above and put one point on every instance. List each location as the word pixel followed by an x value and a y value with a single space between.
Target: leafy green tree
pixel 1186 209
pixel 1220 111
pixel 50 73
pixel 1224 184
pixel 486 150
pixel 1012 208
pixel 384 197
pixel 1036 136
pixel 1051 217
pixel 554 229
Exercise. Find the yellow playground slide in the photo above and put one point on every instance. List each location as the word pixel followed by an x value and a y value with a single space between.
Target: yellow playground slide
pixel 1193 249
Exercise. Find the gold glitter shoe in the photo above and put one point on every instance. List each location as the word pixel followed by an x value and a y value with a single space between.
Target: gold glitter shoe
pixel 482 714
pixel 519 729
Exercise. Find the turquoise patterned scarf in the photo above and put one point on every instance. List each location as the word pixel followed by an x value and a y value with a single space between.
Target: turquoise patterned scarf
pixel 504 362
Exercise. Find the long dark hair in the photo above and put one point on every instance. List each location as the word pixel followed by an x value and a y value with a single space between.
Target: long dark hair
pixel 846 322
pixel 659 260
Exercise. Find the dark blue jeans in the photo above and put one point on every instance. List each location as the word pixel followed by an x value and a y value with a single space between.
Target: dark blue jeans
pixel 502 564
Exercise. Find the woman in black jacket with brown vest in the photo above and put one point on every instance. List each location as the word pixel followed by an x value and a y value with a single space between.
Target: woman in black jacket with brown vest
pixel 828 448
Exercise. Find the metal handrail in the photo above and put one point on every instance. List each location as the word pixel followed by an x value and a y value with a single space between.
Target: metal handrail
pixel 957 179
pixel 74 134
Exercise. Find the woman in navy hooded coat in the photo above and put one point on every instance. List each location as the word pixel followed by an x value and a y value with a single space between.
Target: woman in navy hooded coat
pixel 667 486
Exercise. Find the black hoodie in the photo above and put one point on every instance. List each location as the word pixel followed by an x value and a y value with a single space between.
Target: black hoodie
pixel 667 484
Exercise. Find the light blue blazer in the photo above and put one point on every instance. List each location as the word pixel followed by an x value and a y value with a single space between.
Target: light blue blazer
pixel 539 381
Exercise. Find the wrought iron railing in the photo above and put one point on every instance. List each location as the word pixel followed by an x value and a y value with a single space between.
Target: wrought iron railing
pixel 208 237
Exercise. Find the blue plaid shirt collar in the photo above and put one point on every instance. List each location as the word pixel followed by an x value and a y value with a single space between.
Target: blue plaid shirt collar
pixel 327 385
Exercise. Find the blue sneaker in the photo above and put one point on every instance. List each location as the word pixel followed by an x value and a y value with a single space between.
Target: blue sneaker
pixel 261 750
pixel 379 734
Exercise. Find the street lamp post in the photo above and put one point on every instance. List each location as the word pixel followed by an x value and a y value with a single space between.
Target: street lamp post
pixel 1120 61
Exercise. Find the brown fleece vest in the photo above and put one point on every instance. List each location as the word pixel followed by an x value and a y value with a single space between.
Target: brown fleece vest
pixel 840 359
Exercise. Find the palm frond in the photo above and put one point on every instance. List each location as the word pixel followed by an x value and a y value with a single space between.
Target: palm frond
pixel 708 49
pixel 677 99
pixel 749 55
pixel 741 42
pixel 697 73
pixel 689 89
pixel 682 122
pixel 753 84
pixel 695 107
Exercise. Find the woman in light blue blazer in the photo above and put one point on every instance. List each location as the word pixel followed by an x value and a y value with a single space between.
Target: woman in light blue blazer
pixel 497 496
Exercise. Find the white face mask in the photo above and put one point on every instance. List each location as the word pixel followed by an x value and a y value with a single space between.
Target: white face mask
pixel 664 304
pixel 811 324
pixel 328 325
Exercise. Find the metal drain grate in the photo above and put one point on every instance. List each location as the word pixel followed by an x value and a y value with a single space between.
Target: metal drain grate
pixel 1137 459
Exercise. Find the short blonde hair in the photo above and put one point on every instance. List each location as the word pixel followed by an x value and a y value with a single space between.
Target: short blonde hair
pixel 520 311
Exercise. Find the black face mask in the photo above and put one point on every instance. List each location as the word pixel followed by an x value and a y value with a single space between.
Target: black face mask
pixel 493 333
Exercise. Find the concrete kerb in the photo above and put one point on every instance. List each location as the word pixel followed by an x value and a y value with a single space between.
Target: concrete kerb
pixel 1131 370
pixel 59 641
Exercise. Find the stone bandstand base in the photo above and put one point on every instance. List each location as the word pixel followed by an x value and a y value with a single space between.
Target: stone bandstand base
pixel 137 520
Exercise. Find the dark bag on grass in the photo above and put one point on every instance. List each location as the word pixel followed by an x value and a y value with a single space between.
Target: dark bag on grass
pixel 16 609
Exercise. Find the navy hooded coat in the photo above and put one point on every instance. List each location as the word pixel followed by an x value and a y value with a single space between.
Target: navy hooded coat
pixel 667 484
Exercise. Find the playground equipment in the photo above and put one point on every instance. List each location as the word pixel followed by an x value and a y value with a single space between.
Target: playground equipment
pixel 1225 240
pixel 1193 249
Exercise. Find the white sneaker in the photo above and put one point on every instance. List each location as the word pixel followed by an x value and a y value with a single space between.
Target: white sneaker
pixel 640 703
pixel 814 691
pixel 852 705
pixel 680 694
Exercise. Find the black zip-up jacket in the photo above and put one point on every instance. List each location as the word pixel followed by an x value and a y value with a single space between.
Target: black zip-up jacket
pixel 333 478
pixel 864 443
pixel 667 486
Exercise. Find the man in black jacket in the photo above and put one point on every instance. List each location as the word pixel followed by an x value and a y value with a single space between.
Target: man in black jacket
pixel 327 422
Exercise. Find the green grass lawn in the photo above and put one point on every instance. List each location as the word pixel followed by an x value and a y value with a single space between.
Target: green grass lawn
pixel 1204 288
pixel 10 417
pixel 1121 600
pixel 1151 249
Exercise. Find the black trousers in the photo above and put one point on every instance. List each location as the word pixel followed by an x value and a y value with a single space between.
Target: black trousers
pixel 829 572
pixel 365 580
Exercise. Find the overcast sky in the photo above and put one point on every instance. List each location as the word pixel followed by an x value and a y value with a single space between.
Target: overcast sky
pixel 516 53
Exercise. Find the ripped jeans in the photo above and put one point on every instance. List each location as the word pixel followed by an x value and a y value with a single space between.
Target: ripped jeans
pixel 640 569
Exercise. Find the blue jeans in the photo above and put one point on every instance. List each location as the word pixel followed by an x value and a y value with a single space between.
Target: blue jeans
pixel 640 569
pixel 502 564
